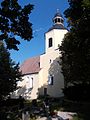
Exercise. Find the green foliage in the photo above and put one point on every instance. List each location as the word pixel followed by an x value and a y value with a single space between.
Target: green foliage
pixel 75 48
pixel 9 73
pixel 82 91
pixel 14 21
pixel 74 12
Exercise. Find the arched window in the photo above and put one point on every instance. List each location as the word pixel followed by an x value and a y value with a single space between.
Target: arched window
pixel 50 42
pixel 50 80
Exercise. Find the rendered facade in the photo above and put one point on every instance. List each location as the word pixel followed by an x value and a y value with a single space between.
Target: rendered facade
pixel 42 74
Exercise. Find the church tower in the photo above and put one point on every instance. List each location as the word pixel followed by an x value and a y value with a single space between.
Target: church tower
pixel 50 75
pixel 56 33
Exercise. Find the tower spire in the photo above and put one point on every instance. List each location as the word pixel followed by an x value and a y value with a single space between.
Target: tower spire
pixel 58 19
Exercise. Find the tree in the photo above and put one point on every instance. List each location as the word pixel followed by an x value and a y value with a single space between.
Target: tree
pixel 9 73
pixel 14 21
pixel 75 48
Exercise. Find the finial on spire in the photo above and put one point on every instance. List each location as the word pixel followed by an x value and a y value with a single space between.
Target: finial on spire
pixel 57 10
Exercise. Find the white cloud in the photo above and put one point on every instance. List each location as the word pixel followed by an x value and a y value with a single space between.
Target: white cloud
pixel 38 30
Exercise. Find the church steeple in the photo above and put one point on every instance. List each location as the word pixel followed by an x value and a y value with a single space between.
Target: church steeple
pixel 58 19
pixel 58 22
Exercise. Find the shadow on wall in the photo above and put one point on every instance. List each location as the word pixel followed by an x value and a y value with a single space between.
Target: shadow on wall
pixel 55 79
pixel 55 67
pixel 22 91
pixel 26 93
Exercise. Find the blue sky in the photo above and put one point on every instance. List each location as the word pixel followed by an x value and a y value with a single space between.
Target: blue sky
pixel 41 18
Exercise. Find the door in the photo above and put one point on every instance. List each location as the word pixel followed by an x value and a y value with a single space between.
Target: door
pixel 45 91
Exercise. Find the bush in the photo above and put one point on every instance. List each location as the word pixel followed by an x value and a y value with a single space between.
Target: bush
pixel 12 102
pixel 78 92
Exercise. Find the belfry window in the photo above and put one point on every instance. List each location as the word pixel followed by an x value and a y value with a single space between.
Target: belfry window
pixel 50 42
pixel 61 20
pixel 55 20
pixel 58 19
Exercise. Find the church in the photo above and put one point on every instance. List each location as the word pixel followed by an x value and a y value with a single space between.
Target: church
pixel 42 74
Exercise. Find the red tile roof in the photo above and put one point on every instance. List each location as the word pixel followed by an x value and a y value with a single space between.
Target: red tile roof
pixel 31 65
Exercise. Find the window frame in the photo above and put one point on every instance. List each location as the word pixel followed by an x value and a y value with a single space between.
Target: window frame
pixel 50 80
pixel 50 42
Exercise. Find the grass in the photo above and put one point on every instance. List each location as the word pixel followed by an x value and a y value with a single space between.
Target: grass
pixel 77 118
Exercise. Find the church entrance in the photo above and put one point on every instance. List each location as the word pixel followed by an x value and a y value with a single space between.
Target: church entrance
pixel 45 91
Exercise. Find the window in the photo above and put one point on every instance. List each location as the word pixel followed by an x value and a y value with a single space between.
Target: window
pixel 61 21
pixel 50 61
pixel 50 80
pixel 50 42
pixel 55 20
pixel 45 91
pixel 58 19
pixel 29 82
pixel 39 64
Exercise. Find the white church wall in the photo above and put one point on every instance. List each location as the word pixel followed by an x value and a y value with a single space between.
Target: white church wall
pixel 58 36
pixel 29 86
pixel 49 65
pixel 34 93
pixel 55 89
pixel 48 35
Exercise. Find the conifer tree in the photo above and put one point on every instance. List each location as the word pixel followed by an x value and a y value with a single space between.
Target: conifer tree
pixel 9 73
pixel 75 48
